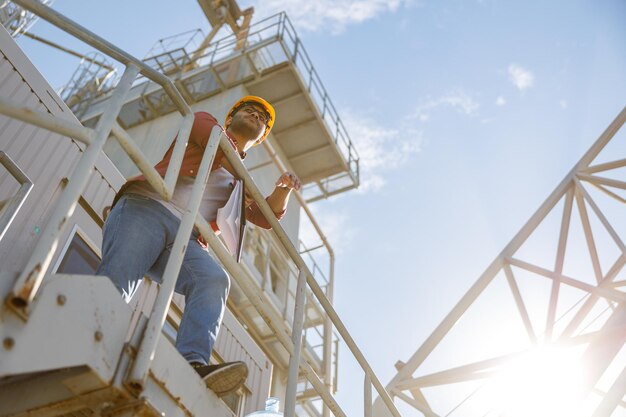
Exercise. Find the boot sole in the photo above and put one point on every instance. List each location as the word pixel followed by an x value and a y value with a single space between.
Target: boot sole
pixel 227 379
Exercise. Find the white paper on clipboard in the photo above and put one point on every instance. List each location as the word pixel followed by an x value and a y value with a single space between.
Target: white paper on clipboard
pixel 229 219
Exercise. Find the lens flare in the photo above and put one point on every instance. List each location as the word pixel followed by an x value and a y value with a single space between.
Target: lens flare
pixel 545 382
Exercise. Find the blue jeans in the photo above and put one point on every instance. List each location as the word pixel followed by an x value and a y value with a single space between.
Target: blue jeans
pixel 137 240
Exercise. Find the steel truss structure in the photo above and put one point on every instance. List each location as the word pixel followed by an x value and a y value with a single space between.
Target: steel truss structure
pixel 566 290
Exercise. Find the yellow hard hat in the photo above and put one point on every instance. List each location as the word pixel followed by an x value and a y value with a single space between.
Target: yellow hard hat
pixel 256 100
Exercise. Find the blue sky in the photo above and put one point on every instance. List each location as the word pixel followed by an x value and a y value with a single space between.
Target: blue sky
pixel 467 114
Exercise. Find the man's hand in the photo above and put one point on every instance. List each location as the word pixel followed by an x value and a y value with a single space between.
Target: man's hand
pixel 279 198
pixel 288 180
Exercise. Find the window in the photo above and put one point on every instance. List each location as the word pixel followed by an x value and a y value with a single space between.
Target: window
pixel 79 256
pixel 235 401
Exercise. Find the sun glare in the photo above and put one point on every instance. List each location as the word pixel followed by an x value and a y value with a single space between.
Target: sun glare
pixel 545 382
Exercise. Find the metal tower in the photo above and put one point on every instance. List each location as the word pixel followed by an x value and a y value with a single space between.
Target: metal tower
pixel 543 330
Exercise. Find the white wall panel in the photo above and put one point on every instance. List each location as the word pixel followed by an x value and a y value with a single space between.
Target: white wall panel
pixel 47 158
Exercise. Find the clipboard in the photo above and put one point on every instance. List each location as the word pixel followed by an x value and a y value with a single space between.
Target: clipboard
pixel 242 223
pixel 231 220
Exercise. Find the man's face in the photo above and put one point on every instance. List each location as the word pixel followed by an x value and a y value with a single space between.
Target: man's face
pixel 257 111
pixel 249 121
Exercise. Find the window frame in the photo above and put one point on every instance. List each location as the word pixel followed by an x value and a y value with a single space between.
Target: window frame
pixel 77 230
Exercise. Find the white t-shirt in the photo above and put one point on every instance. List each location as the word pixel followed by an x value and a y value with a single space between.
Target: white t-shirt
pixel 216 193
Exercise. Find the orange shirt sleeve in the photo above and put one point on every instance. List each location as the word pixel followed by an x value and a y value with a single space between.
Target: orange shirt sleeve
pixel 203 125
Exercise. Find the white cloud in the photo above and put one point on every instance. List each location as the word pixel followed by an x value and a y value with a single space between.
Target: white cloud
pixel 521 77
pixel 460 101
pixel 380 148
pixel 328 14
pixel 500 101
pixel 563 103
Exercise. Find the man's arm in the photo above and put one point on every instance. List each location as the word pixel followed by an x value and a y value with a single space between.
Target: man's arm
pixel 279 198
pixel 277 201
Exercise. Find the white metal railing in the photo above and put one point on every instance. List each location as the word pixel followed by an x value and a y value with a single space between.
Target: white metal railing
pixel 329 288
pixel 9 208
pixel 27 284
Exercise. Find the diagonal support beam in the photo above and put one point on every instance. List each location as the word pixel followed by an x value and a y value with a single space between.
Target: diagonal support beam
pixel 560 258
pixel 520 303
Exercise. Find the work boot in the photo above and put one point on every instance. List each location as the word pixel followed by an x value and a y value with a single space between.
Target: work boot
pixel 224 378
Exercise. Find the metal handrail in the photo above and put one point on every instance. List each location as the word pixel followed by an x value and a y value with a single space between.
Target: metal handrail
pixel 27 284
pixel 9 209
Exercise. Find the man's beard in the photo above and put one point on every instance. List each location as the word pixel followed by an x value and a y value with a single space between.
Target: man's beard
pixel 243 129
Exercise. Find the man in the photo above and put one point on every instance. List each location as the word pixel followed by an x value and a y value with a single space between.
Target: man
pixel 140 230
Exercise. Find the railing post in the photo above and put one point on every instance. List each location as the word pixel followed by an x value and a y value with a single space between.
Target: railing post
pixel 295 50
pixel 171 176
pixel 281 24
pixel 296 338
pixel 328 334
pixel 26 286
pixel 145 353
